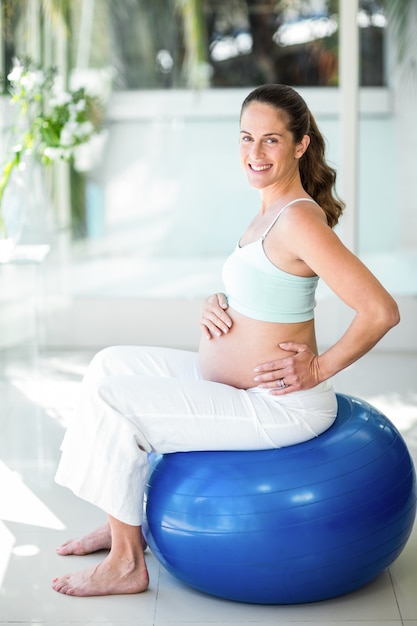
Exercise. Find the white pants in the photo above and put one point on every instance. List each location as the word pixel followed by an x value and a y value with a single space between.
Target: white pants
pixel 137 400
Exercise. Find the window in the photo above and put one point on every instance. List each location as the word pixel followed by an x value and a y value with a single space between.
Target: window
pixel 206 43
pixel 238 43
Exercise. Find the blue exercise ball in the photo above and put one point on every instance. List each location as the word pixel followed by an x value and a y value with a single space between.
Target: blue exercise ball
pixel 292 525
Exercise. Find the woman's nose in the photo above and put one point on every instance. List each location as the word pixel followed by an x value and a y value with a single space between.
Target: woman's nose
pixel 257 150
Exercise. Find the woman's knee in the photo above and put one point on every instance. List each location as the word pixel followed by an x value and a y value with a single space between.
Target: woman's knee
pixel 104 363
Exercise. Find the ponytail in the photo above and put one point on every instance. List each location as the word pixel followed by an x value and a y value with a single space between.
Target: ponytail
pixel 318 178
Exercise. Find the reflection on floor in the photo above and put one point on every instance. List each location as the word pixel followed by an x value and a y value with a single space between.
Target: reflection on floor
pixel 36 515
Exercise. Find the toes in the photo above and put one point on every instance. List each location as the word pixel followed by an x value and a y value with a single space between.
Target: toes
pixel 61 584
pixel 65 547
pixel 71 547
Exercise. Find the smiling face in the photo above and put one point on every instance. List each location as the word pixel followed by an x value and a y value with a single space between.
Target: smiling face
pixel 268 153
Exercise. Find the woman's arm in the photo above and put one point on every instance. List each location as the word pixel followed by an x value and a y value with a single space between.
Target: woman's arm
pixel 320 249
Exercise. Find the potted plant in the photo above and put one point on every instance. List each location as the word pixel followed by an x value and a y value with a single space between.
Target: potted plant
pixel 51 123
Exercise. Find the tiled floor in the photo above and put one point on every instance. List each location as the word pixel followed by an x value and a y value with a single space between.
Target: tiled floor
pixel 37 515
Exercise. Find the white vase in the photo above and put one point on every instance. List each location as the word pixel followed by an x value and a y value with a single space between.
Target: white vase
pixel 13 210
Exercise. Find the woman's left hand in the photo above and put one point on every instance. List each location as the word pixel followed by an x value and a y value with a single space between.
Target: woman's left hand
pixel 293 373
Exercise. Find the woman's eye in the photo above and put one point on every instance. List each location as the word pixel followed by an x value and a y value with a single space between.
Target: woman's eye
pixel 268 140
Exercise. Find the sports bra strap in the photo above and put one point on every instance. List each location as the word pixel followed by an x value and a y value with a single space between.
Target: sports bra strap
pixel 283 209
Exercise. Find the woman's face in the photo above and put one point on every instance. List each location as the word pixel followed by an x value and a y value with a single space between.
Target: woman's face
pixel 268 153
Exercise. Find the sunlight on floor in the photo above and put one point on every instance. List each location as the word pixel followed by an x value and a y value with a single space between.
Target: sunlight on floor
pixel 7 541
pixel 54 388
pixel 56 398
pixel 19 504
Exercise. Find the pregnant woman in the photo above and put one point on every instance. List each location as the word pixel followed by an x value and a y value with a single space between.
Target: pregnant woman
pixel 258 380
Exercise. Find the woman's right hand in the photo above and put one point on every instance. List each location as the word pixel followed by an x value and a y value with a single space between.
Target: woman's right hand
pixel 214 319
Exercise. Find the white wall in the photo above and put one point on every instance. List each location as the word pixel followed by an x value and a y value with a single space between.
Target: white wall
pixel 172 181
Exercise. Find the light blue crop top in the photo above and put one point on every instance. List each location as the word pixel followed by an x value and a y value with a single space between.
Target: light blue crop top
pixel 258 289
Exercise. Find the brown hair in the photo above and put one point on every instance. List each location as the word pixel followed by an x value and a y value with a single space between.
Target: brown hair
pixel 317 177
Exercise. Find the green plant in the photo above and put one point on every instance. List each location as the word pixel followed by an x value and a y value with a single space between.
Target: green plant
pixel 51 123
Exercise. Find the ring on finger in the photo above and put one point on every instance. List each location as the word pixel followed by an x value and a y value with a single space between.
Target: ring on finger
pixel 281 383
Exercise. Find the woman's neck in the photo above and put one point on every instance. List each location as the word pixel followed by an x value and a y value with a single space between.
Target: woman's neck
pixel 279 196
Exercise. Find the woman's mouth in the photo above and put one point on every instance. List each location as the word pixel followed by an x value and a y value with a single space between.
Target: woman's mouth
pixel 259 168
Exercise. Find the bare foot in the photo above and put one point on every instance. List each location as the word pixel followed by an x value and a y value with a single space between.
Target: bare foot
pixel 99 539
pixel 111 577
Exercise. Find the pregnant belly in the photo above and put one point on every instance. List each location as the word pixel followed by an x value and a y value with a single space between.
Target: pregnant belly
pixel 232 358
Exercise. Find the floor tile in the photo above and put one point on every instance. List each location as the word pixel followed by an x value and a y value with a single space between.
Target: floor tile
pixel 376 601
pixel 404 579
pixel 26 593
pixel 291 622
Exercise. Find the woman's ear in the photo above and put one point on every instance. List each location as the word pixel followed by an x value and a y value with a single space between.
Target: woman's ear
pixel 302 146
